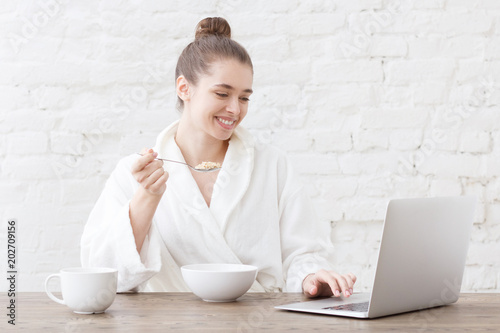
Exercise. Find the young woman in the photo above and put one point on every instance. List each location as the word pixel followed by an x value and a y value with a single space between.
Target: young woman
pixel 152 218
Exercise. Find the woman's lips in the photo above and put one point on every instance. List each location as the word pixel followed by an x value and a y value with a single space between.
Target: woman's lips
pixel 226 123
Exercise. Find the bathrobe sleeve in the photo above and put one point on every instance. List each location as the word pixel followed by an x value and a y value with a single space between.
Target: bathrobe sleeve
pixel 305 241
pixel 108 240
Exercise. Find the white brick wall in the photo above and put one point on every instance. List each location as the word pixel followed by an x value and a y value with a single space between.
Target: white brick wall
pixel 373 100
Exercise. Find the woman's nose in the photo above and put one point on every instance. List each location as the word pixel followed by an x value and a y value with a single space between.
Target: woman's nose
pixel 234 106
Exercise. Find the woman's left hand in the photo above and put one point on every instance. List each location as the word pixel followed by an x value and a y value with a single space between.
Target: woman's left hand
pixel 328 283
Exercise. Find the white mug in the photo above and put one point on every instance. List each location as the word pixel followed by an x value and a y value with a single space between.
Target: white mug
pixel 86 290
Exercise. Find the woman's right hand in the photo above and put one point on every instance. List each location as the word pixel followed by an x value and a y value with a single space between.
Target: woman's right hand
pixel 150 173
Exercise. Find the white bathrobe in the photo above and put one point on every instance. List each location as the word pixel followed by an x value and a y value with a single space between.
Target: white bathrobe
pixel 259 215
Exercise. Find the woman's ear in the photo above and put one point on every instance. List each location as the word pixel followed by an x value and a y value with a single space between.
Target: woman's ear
pixel 182 88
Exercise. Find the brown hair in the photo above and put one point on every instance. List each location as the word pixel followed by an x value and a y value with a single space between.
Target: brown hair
pixel 212 42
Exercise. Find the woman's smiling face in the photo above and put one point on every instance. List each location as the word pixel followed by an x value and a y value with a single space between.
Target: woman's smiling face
pixel 219 102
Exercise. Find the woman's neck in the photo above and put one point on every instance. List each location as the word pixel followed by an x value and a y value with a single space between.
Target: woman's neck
pixel 197 146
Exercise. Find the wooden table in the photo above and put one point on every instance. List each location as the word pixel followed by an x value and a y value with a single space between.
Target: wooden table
pixel 145 312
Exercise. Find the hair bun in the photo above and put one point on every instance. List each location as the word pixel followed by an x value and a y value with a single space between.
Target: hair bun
pixel 213 26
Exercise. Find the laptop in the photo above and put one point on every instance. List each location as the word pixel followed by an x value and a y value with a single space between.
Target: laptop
pixel 420 263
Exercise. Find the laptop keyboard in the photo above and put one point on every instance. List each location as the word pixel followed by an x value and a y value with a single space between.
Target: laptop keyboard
pixel 356 307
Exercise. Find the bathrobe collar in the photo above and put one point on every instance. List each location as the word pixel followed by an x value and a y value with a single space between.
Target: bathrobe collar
pixel 231 184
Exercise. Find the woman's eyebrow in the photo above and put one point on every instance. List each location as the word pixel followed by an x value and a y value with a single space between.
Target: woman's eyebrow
pixel 227 86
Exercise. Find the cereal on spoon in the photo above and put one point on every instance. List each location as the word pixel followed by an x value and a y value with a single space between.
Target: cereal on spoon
pixel 208 166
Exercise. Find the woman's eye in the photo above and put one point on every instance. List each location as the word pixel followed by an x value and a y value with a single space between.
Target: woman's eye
pixel 221 94
pixel 245 99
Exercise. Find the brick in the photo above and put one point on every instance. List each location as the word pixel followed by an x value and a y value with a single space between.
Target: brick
pixel 278 120
pixel 397 17
pixel 135 142
pixel 15 98
pixel 316 6
pixel 102 74
pixel 470 119
pixel 376 118
pixel 12 192
pixel 327 210
pixel 347 71
pixel 47 73
pixel 492 188
pixel 492 51
pixel 492 166
pixel 374 185
pixel 334 188
pixel 367 163
pixel 492 221
pixel 315 164
pixel 445 187
pixel 368 139
pixel 478 71
pixel 3 147
pixel 257 118
pixel 272 47
pixel 480 254
pixel 27 143
pixel 366 232
pixel 466 46
pixel 284 72
pixel 303 48
pixel 466 23
pixel 53 98
pixel 429 4
pixel 366 209
pixel 393 96
pixel 478 278
pixel 430 93
pixel 27 120
pixel 27 168
pixel 404 183
pixel 72 192
pixel 330 141
pixel 316 23
pixel 488 4
pixel 409 71
pixel 285 139
pixel 68 143
pixel 250 25
pixel 437 46
pixel 405 139
pixel 360 5
pixel 278 95
pixel 476 189
pixel 274 7
pixel 45 192
pixel 450 23
pixel 447 165
pixel 21 50
pixel 343 119
pixel 342 95
pixel 475 142
pixel 443 138
pixel 425 47
pixel 388 46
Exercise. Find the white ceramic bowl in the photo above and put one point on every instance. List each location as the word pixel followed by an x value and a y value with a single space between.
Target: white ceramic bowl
pixel 219 282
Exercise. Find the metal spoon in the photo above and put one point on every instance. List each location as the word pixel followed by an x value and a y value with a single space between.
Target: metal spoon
pixel 192 167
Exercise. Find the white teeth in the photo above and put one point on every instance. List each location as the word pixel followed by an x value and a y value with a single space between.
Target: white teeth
pixel 226 122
